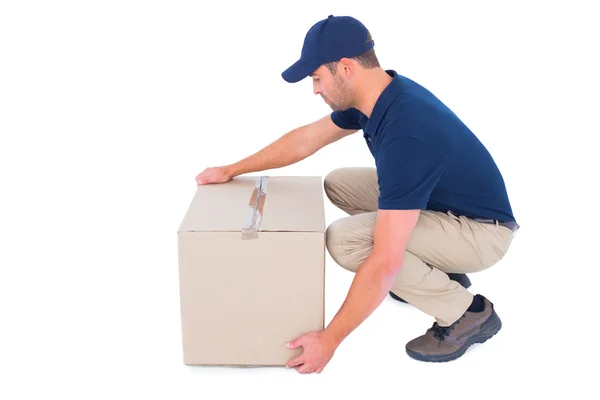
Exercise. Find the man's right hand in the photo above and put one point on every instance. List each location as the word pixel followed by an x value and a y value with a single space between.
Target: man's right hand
pixel 213 175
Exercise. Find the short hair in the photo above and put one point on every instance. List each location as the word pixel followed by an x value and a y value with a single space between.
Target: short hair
pixel 368 59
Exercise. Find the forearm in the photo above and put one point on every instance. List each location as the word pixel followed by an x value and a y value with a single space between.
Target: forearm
pixel 371 284
pixel 287 150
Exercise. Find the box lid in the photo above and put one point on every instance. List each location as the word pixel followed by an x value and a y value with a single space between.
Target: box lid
pixel 273 203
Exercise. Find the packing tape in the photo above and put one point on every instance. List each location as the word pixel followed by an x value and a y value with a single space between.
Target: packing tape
pixel 255 209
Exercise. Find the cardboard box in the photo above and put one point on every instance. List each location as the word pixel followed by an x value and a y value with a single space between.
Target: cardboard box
pixel 251 269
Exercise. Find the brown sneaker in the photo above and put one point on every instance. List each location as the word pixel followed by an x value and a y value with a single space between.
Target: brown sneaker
pixel 448 343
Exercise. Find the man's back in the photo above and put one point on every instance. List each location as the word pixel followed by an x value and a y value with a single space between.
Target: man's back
pixel 411 123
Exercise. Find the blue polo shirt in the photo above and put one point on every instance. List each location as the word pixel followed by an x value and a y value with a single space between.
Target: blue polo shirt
pixel 426 157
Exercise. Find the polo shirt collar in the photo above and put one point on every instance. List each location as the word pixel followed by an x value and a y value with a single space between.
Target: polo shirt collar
pixel 387 97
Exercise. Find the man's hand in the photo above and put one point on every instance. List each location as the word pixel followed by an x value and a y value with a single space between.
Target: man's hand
pixel 318 349
pixel 373 280
pixel 213 175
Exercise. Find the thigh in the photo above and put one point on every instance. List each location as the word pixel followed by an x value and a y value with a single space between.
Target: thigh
pixel 350 242
pixel 442 240
pixel 354 190
pixel 456 243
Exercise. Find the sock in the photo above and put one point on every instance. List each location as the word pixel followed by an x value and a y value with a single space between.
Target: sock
pixel 477 304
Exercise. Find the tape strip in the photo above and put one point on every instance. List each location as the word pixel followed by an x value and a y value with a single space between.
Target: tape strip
pixel 255 209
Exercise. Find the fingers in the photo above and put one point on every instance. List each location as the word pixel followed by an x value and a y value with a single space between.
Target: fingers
pixel 212 175
pixel 305 369
pixel 295 343
pixel 295 362
pixel 310 368
pixel 202 179
pixel 299 365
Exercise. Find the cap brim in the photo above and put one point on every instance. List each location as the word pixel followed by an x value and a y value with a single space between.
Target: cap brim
pixel 299 70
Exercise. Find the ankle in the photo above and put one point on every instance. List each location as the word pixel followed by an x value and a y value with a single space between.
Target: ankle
pixel 477 305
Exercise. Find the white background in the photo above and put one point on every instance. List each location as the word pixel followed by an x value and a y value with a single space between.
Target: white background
pixel 109 109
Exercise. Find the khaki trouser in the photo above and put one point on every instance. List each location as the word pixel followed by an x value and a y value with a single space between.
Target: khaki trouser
pixel 441 243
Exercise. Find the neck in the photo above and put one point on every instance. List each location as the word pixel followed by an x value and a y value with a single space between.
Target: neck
pixel 370 88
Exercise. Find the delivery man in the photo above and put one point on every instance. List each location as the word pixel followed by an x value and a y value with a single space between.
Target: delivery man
pixel 434 208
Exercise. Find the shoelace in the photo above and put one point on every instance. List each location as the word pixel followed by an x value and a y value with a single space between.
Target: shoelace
pixel 440 332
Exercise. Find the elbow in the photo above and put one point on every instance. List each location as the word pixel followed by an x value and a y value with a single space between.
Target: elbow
pixel 390 267
pixel 385 265
pixel 391 270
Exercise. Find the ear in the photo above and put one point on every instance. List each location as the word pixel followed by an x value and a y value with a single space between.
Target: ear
pixel 347 67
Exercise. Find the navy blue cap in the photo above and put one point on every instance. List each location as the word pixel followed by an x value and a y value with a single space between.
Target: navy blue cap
pixel 329 40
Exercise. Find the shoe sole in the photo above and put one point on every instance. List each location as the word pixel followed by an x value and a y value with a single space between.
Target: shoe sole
pixel 488 329
pixel 465 282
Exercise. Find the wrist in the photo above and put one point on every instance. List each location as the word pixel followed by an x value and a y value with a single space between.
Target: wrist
pixel 230 170
pixel 332 337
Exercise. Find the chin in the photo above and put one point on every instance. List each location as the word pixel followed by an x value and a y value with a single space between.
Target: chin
pixel 339 108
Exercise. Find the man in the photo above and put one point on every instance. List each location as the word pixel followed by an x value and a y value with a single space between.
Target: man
pixel 434 208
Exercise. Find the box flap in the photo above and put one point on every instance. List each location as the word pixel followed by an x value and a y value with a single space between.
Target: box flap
pixel 291 203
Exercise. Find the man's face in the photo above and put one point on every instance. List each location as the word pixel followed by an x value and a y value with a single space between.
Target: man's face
pixel 332 88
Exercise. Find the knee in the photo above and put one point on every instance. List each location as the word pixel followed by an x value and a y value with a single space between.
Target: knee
pixel 346 249
pixel 334 240
pixel 331 181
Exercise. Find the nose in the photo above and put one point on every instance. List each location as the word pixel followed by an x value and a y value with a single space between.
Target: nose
pixel 316 88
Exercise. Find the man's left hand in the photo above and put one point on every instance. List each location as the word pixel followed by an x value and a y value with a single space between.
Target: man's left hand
pixel 318 349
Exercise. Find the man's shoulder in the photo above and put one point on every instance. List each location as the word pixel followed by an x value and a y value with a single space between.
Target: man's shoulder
pixel 419 108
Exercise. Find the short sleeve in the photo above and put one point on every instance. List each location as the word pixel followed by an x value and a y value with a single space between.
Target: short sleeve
pixel 408 170
pixel 347 119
